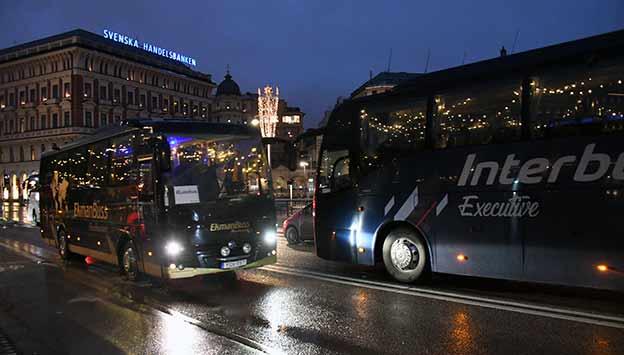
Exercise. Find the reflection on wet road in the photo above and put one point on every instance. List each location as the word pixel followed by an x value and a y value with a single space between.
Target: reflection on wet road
pixel 263 311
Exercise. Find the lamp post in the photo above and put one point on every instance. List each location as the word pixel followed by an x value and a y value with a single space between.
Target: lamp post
pixel 304 165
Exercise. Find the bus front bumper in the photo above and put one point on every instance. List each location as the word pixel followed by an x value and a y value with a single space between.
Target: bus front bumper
pixel 175 273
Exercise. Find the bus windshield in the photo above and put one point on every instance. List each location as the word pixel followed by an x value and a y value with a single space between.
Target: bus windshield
pixel 205 170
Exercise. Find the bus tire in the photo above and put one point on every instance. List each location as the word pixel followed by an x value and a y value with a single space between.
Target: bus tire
pixel 129 262
pixel 405 255
pixel 63 246
pixel 292 236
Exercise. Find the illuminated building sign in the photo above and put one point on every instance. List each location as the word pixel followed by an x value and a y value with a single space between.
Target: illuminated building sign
pixel 127 40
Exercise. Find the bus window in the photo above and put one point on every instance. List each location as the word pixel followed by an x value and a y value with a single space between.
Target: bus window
pixel 334 170
pixel 122 159
pixel 97 168
pixel 578 100
pixel 483 114
pixel 388 131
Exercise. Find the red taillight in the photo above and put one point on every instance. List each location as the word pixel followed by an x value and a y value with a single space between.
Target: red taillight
pixel 89 260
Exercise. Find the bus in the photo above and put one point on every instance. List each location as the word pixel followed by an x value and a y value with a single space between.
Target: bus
pixel 168 198
pixel 508 168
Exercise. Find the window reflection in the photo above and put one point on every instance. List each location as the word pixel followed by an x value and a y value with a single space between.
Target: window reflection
pixel 479 115
pixel 579 100
pixel 220 169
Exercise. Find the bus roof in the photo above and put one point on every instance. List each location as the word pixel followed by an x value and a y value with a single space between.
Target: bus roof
pixel 176 126
pixel 519 64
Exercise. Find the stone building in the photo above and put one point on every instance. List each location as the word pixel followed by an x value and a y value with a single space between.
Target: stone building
pixel 58 89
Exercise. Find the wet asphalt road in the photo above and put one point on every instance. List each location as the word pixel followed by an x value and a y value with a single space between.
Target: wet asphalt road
pixel 49 307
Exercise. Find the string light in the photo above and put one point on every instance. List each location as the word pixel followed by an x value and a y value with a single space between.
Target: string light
pixel 267 110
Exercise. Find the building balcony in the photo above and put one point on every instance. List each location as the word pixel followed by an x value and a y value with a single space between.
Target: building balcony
pixel 47 132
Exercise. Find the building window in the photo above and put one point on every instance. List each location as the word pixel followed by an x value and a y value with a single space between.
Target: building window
pixel 66 90
pixel 103 92
pixel 11 156
pixel 55 91
pixel 130 98
pixel 176 107
pixel 32 152
pixel 43 122
pixel 11 127
pixel 21 124
pixel 32 123
pixel 44 94
pixel 103 119
pixel 55 122
pixel 117 96
pixel 42 148
pixel 22 97
pixel 33 93
pixel 117 118
pixel 154 103
pixel 142 103
pixel 165 105
pixel 87 92
pixel 66 119
pixel 12 99
pixel 88 119
pixel 21 153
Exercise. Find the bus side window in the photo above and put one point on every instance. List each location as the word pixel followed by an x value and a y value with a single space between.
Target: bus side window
pixel 122 162
pixel 578 100
pixel 390 130
pixel 482 114
pixel 98 167
pixel 146 190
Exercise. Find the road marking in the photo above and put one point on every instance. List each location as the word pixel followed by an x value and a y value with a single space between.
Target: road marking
pixel 15 247
pixel 455 297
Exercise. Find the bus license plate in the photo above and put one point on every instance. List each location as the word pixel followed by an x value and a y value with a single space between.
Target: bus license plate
pixel 233 264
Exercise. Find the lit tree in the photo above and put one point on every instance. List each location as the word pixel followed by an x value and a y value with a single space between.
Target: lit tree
pixel 267 110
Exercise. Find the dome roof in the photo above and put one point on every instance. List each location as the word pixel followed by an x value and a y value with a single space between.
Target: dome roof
pixel 228 86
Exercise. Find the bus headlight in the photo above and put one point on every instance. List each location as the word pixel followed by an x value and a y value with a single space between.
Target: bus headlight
pixel 246 248
pixel 173 248
pixel 270 237
pixel 225 251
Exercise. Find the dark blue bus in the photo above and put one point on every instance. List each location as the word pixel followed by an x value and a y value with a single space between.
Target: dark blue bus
pixel 508 168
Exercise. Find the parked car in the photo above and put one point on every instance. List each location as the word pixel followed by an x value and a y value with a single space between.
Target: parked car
pixel 299 226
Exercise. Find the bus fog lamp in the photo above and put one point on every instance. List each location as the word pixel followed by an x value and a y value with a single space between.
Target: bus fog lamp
pixel 225 251
pixel 246 248
pixel 173 248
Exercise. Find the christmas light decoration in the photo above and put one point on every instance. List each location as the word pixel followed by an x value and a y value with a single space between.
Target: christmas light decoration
pixel 267 110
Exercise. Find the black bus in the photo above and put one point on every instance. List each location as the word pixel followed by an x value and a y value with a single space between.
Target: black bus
pixel 165 197
pixel 507 168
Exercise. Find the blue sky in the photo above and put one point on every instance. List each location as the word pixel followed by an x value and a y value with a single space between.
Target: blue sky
pixel 318 50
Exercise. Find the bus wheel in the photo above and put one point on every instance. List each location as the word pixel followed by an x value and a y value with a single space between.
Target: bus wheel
pixel 405 255
pixel 129 262
pixel 292 236
pixel 63 246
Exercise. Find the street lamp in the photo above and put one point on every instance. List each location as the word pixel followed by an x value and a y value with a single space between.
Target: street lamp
pixel 304 165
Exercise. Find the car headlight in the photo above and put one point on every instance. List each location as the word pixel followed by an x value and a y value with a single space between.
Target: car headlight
pixel 173 248
pixel 270 237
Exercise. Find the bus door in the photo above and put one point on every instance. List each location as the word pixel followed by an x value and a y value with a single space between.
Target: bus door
pixel 336 207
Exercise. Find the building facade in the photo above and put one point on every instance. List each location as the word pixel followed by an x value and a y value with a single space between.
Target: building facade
pixel 61 88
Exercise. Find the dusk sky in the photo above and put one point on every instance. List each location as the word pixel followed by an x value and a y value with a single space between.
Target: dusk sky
pixel 316 51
